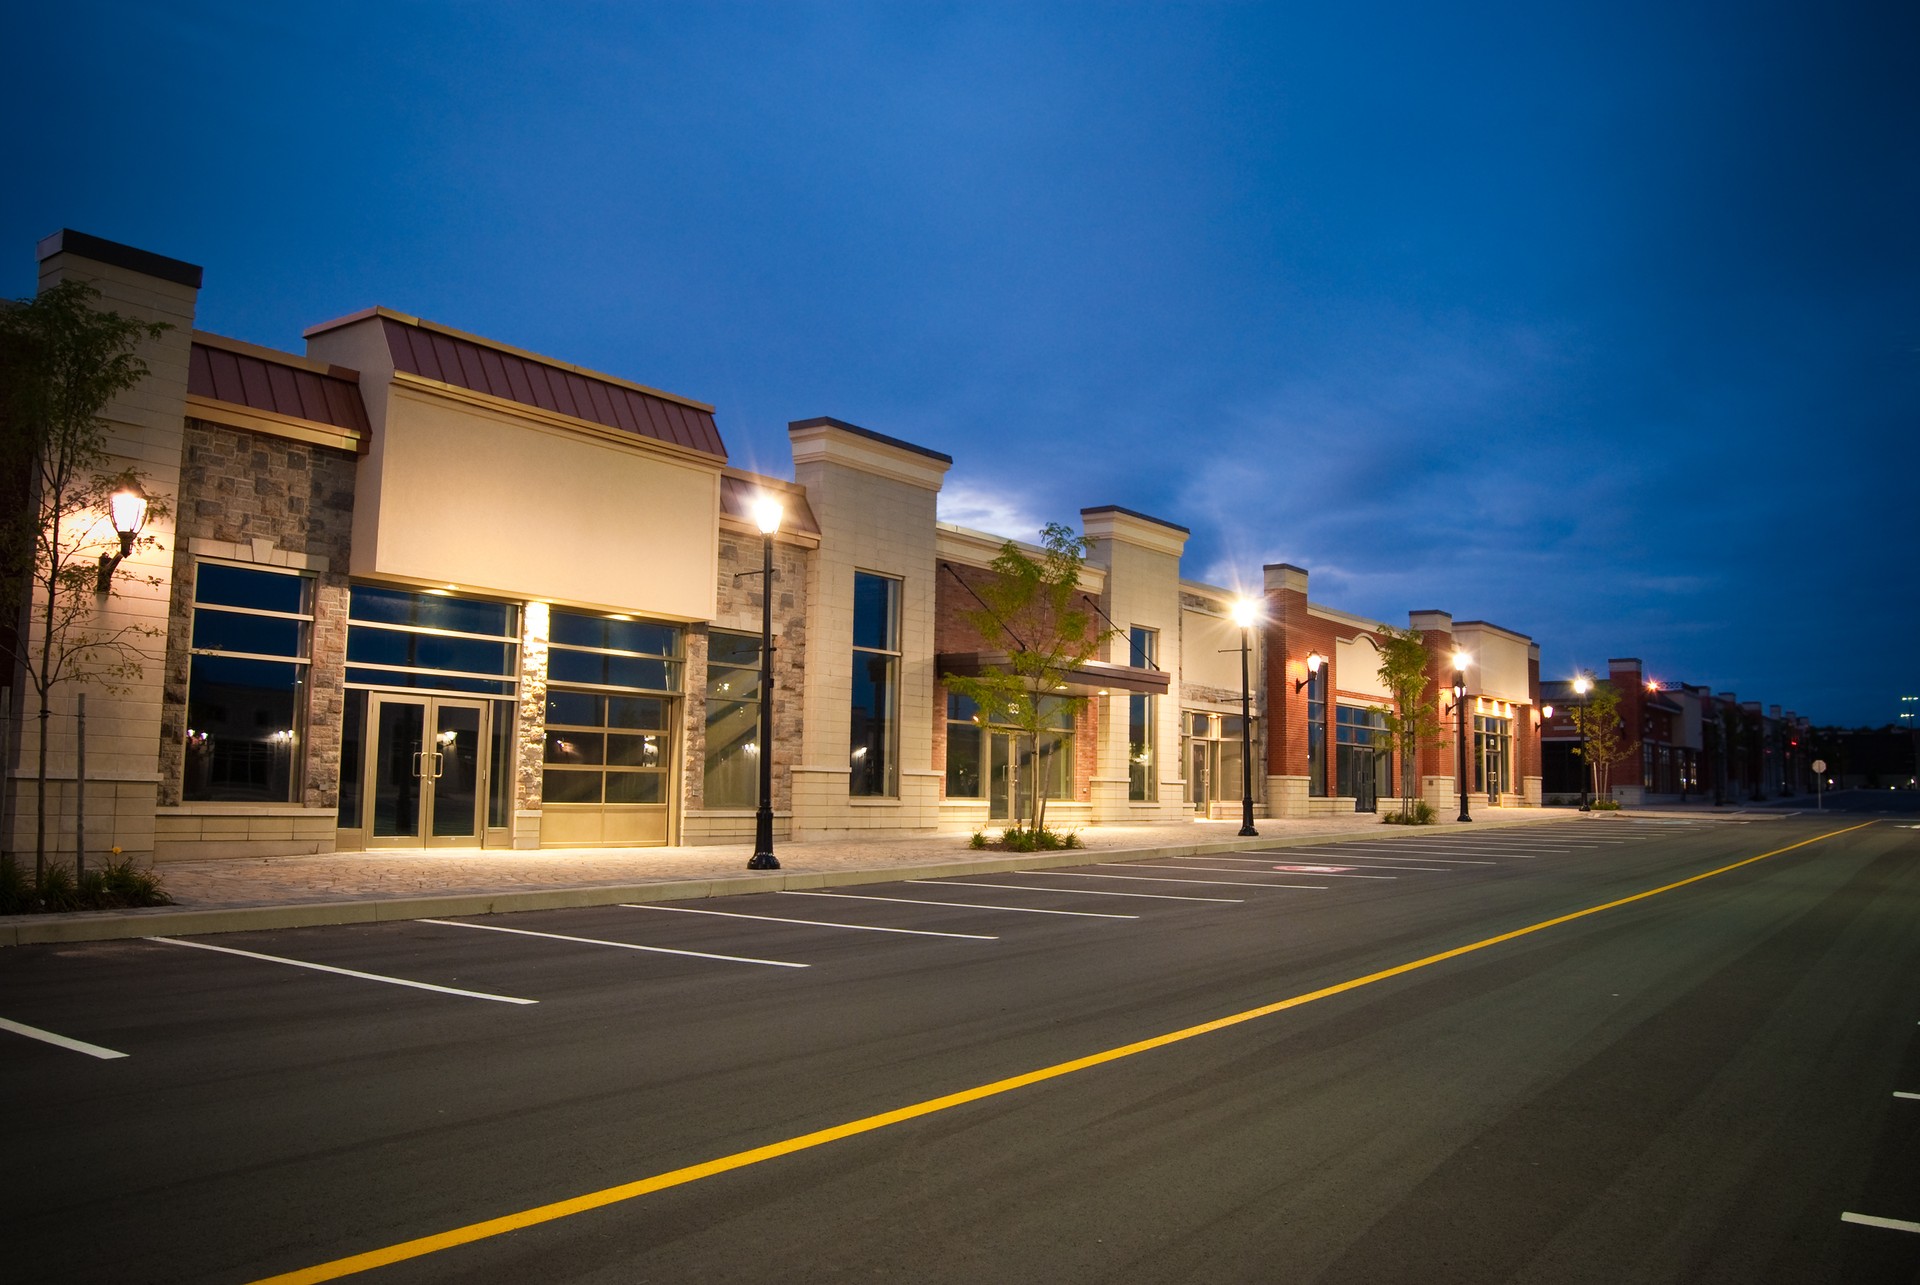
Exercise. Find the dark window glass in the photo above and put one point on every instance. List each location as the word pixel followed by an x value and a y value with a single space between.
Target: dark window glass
pixel 428 651
pixel 1317 733
pixel 242 730
pixel 436 682
pixel 732 768
pixel 431 611
pixel 217 584
pixel 245 717
pixel 871 757
pixel 964 741
pixel 576 748
pixel 611 671
pixel 644 712
pixel 353 718
pixel 582 709
pixel 874 599
pixel 263 635
pixel 570 787
pixel 636 787
pixel 570 629
pixel 634 751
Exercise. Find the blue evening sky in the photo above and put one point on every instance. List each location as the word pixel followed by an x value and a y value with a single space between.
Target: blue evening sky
pixel 1599 321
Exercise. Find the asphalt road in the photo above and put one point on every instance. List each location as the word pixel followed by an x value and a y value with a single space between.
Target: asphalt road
pixel 1694 1086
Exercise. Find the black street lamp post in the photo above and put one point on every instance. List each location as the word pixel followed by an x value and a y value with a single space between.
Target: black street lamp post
pixel 1460 711
pixel 1581 687
pixel 1244 613
pixel 766 515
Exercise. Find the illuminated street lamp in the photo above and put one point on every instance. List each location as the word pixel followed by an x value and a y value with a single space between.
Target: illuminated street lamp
pixel 1581 687
pixel 766 516
pixel 1460 711
pixel 1245 613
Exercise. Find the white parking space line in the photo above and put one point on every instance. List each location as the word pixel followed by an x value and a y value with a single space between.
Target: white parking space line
pixel 956 905
pixel 810 923
pixel 617 945
pixel 1382 854
pixel 1898 1094
pixel 1891 1224
pixel 61 1041
pixel 1079 892
pixel 1229 870
pixel 1191 883
pixel 1323 859
pixel 343 972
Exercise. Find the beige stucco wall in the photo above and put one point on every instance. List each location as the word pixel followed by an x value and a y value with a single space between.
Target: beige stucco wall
pixel 478 496
pixel 1356 666
pixel 1499 665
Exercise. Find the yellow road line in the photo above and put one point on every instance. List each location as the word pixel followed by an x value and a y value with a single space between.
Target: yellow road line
pixel 472 1232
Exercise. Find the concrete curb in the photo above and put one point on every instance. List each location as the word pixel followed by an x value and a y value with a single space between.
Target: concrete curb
pixel 168 921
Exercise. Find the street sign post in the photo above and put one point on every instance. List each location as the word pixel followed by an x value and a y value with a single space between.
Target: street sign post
pixel 1819 780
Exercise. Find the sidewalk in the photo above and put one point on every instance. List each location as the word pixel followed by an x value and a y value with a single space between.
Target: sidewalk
pixel 248 894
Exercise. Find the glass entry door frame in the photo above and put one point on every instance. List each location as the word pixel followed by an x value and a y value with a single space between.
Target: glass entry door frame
pixel 427 767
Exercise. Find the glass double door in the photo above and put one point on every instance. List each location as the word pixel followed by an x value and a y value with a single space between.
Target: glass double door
pixel 426 783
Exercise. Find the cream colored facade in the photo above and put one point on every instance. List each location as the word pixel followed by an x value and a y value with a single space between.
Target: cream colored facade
pixel 451 495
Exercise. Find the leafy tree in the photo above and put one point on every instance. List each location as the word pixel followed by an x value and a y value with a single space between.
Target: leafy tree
pixel 61 361
pixel 1413 721
pixel 1605 741
pixel 1032 609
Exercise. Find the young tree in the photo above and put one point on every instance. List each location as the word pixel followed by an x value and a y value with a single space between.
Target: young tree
pixel 1604 736
pixel 1032 609
pixel 61 361
pixel 1413 721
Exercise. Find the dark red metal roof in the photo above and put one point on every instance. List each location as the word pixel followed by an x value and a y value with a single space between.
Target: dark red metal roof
pixel 737 496
pixel 230 371
pixel 434 353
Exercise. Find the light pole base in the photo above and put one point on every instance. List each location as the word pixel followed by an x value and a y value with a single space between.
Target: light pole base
pixel 1248 832
pixel 763 861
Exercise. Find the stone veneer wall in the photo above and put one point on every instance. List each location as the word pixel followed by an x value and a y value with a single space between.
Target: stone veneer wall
pixel 737 610
pixel 251 497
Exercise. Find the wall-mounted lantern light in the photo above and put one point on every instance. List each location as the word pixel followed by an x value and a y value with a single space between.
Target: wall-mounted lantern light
pixel 127 509
pixel 1314 661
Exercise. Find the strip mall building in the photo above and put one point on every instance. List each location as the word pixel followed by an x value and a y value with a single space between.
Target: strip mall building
pixel 422 589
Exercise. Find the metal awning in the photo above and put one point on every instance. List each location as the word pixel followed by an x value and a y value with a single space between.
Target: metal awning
pixel 1093 676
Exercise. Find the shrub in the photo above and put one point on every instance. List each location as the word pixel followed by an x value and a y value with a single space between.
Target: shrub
pixel 1038 839
pixel 110 885
pixel 1605 805
pixel 1422 814
pixel 979 839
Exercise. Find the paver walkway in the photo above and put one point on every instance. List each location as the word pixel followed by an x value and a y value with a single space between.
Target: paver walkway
pixel 238 894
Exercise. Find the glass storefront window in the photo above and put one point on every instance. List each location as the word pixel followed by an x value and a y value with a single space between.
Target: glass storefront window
pixel 1363 770
pixel 732 776
pixel 246 684
pixel 1317 732
pixel 609 712
pixel 1143 775
pixel 874 712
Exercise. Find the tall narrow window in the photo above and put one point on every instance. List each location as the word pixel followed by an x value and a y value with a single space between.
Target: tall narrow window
pixel 874 714
pixel 966 749
pixel 1492 755
pixel 1317 733
pixel 733 721
pixel 246 688
pixel 1143 774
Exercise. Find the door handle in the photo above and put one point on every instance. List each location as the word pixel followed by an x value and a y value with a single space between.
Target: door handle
pixel 416 762
pixel 439 764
